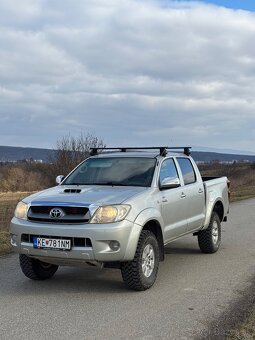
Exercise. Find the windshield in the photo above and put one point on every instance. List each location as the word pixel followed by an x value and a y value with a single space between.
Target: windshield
pixel 128 171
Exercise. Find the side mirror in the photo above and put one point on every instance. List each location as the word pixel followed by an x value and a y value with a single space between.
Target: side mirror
pixel 59 179
pixel 170 182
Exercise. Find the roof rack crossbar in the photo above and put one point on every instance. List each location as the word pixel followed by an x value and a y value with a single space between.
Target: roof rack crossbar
pixel 162 149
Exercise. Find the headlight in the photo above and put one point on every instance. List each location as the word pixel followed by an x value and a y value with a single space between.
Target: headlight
pixel 21 210
pixel 110 213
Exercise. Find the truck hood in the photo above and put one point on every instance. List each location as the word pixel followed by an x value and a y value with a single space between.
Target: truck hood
pixel 97 195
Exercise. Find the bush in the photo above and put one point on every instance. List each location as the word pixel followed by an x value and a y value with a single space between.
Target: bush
pixel 17 178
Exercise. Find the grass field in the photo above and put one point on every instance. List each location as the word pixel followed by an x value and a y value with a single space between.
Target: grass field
pixel 8 203
pixel 241 176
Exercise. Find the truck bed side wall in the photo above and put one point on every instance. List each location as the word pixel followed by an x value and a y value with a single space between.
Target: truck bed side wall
pixel 216 190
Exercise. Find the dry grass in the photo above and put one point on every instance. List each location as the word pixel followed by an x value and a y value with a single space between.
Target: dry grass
pixel 245 330
pixel 5 246
pixel 242 194
pixel 8 203
pixel 241 176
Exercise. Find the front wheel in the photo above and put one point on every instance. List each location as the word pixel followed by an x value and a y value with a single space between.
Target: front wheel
pixel 209 240
pixel 35 269
pixel 141 273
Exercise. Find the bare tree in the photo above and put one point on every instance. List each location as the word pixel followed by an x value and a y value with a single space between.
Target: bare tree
pixel 70 151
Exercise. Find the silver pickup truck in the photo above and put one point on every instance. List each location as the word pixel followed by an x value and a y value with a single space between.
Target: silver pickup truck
pixel 119 209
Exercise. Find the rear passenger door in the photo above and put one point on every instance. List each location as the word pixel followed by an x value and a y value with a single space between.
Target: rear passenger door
pixel 193 194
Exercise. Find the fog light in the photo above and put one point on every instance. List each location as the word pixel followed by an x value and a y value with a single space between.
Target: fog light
pixel 14 240
pixel 114 245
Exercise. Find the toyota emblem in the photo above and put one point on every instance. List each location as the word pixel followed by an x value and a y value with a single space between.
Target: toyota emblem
pixel 56 213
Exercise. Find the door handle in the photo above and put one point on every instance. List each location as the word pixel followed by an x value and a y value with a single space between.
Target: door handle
pixel 183 195
pixel 200 191
pixel 164 199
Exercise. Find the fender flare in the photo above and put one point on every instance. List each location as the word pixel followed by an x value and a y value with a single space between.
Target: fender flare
pixel 147 215
pixel 144 217
pixel 211 209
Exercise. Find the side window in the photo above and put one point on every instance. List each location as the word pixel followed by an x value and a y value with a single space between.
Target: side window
pixel 168 169
pixel 187 170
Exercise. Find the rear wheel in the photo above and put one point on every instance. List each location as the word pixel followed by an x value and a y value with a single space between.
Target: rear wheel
pixel 36 269
pixel 141 273
pixel 209 240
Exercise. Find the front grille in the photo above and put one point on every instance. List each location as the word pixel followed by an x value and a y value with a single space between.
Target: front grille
pixel 75 241
pixel 71 214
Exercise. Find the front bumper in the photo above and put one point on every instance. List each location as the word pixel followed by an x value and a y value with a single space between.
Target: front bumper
pixel 125 232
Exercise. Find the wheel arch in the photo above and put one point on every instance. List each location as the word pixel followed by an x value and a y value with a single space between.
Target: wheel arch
pixel 219 209
pixel 155 227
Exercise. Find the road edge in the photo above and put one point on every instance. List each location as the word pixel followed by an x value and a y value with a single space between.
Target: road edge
pixel 229 324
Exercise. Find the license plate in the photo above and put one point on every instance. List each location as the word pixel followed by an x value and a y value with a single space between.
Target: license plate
pixel 51 243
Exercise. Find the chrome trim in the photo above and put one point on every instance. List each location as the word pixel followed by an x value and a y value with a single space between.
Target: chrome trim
pixel 60 204
pixel 57 213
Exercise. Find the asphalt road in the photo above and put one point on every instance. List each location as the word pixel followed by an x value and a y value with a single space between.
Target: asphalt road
pixel 192 291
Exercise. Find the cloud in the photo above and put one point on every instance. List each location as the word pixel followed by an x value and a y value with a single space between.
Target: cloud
pixel 134 72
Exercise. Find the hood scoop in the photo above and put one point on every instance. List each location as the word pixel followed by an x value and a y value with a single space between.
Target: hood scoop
pixel 72 191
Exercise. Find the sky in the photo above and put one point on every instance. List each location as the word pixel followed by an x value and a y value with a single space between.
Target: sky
pixel 131 72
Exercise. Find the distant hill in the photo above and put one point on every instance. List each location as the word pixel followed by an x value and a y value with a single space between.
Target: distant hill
pixel 13 153
pixel 221 157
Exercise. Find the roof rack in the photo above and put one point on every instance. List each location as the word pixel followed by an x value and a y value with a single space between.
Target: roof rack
pixel 162 149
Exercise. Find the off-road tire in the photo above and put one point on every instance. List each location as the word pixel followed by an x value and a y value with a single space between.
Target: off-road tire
pixel 35 269
pixel 207 238
pixel 132 271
